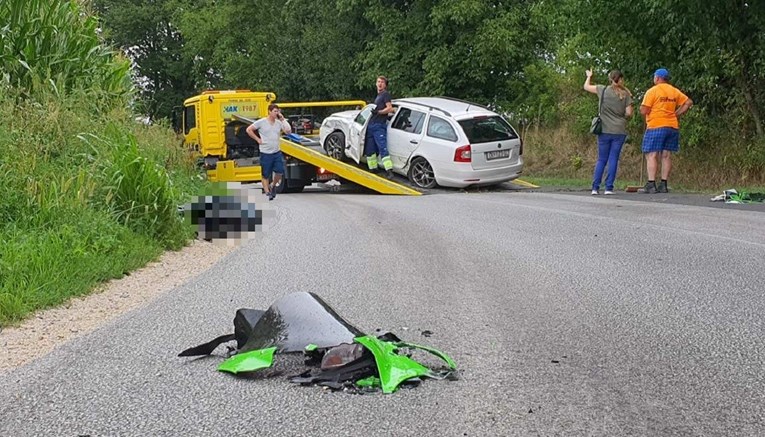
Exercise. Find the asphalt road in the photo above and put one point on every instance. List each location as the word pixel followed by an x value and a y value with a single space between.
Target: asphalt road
pixel 568 315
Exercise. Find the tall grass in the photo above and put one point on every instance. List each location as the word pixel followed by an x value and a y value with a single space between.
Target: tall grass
pixel 87 193
pixel 567 151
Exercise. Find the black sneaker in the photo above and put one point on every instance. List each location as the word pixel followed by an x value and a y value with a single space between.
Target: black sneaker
pixel 650 188
pixel 662 188
pixel 389 174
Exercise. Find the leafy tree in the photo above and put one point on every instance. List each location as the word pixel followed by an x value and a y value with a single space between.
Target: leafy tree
pixel 473 49
pixel 145 30
pixel 715 52
pixel 301 50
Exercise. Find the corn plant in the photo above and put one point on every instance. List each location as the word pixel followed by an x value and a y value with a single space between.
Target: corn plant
pixel 54 45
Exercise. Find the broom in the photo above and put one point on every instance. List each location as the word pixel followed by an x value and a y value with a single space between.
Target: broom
pixel 633 188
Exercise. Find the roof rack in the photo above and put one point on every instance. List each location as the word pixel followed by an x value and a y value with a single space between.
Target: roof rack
pixel 465 102
pixel 427 106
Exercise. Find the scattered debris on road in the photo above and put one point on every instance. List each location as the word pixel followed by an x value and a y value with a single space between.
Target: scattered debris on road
pixel 733 196
pixel 337 355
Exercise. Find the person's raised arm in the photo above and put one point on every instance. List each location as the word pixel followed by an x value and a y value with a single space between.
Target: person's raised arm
pixel 589 87
pixel 286 128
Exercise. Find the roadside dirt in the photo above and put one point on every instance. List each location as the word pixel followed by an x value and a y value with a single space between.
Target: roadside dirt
pixel 42 332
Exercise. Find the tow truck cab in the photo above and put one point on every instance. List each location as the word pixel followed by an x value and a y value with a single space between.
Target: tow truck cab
pixel 214 126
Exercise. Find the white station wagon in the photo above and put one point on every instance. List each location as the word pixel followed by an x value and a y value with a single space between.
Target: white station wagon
pixel 434 141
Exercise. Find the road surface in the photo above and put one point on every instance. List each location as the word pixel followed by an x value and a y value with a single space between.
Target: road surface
pixel 568 315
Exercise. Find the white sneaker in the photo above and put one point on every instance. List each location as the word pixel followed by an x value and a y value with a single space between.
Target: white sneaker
pixel 594 192
pixel 609 193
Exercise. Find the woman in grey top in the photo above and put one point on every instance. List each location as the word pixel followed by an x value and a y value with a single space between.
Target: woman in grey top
pixel 615 109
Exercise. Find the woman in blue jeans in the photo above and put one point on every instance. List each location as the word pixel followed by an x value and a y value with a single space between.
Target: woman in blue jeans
pixel 615 102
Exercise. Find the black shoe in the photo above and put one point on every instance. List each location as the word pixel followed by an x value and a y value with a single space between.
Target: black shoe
pixel 662 188
pixel 650 188
pixel 389 174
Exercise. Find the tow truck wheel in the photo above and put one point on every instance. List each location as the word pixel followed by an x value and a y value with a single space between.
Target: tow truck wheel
pixel 335 145
pixel 421 173
pixel 283 188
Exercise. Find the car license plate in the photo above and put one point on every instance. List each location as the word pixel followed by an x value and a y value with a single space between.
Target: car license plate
pixel 497 154
pixel 325 176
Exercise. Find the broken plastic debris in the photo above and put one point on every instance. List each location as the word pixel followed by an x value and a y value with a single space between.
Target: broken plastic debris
pixel 370 382
pixel 249 361
pixel 342 356
pixel 291 323
pixel 392 368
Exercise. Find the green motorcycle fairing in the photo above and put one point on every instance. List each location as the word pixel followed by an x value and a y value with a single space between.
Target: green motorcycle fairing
pixel 392 367
pixel 446 358
pixel 249 361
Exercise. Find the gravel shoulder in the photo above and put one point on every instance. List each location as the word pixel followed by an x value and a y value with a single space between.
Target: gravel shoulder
pixel 43 331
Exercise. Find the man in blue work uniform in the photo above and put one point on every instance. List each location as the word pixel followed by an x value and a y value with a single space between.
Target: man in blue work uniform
pixel 376 140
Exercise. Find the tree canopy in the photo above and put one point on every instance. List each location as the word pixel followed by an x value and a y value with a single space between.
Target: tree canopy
pixel 525 57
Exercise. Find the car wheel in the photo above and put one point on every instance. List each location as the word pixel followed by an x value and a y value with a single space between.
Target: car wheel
pixel 335 145
pixel 421 173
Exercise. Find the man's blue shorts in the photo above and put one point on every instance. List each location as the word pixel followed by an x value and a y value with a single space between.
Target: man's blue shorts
pixel 271 163
pixel 661 138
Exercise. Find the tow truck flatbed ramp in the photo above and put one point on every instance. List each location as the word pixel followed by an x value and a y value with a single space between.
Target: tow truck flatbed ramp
pixel 345 170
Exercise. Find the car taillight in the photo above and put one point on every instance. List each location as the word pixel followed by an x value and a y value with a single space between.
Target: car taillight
pixel 462 154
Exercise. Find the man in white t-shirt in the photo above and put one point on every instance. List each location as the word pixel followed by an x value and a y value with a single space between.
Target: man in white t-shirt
pixel 267 132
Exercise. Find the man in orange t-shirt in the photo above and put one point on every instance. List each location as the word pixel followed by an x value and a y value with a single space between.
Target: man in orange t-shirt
pixel 661 107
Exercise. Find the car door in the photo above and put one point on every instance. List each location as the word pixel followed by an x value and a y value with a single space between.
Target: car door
pixel 356 132
pixel 404 135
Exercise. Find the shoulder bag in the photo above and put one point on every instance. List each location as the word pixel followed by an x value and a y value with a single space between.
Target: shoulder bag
pixel 596 126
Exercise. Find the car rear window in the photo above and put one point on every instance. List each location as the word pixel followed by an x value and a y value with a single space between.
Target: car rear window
pixel 487 129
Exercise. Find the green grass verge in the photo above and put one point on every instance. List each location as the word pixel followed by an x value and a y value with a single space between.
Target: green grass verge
pixel 585 184
pixel 75 250
pixel 86 193
pixel 85 198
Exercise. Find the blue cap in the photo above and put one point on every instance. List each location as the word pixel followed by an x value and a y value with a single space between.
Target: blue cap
pixel 662 73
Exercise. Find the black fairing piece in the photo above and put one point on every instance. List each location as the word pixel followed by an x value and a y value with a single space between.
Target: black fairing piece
pixel 291 323
pixel 244 320
pixel 297 320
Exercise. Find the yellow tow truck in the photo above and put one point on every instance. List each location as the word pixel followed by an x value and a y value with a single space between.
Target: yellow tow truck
pixel 214 126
